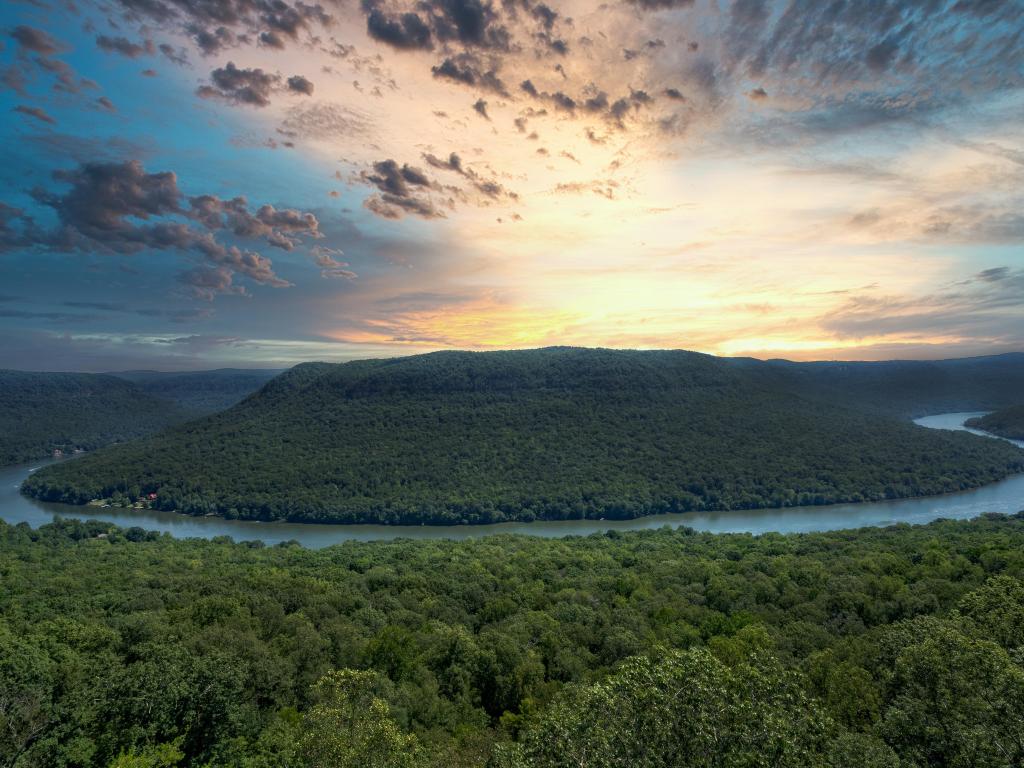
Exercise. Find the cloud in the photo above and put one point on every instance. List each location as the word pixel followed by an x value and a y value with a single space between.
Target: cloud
pixel 330 267
pixel 406 31
pixel 35 112
pixel 987 306
pixel 119 208
pixel 124 46
pixel 480 107
pixel 490 188
pixel 36 40
pixel 469 69
pixel 280 228
pixel 215 26
pixel 469 23
pixel 299 84
pixel 403 189
pixel 324 121
pixel 240 86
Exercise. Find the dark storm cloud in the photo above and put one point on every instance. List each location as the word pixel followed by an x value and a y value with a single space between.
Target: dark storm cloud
pixel 124 46
pixel 480 107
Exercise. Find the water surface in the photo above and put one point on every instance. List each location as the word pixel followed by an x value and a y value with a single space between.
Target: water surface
pixel 1006 496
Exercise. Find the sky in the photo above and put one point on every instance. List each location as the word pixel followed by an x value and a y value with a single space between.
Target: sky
pixel 191 184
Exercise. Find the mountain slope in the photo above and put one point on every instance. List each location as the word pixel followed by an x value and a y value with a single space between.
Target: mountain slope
pixel 552 433
pixel 908 388
pixel 1007 422
pixel 200 392
pixel 41 413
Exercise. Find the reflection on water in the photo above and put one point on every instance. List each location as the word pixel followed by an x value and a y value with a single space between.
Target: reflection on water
pixel 1006 496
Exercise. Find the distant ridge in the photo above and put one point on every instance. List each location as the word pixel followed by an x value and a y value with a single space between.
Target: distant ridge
pixel 554 433
pixel 45 414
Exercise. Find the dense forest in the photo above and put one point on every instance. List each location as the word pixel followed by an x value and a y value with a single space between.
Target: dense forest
pixel 880 648
pixel 907 388
pixel 1006 422
pixel 554 434
pixel 45 412
pixel 200 392
pixel 41 413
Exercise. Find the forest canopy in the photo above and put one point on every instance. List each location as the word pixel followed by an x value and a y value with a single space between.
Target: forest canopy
pixel 884 648
pixel 1006 422
pixel 555 433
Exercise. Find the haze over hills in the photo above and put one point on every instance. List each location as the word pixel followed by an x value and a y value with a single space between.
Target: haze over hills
pixel 555 433
pixel 201 392
pixel 43 413
pixel 912 388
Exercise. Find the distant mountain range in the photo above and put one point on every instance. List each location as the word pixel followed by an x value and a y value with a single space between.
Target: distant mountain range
pixel 558 433
pixel 200 392
pixel 42 414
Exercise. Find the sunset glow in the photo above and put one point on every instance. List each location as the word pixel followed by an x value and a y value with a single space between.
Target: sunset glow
pixel 677 174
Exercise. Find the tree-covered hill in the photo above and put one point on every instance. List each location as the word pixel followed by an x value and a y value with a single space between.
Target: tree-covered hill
pixel 554 433
pixel 907 388
pixel 879 648
pixel 200 392
pixel 1007 422
pixel 41 413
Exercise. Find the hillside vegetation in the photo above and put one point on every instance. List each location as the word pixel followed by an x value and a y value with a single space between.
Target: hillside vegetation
pixel 41 413
pixel 200 392
pixel 878 648
pixel 553 433
pixel 908 388
pixel 1007 422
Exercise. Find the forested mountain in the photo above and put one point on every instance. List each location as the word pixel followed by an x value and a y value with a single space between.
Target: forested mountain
pixel 878 648
pixel 907 388
pixel 44 412
pixel 1007 422
pixel 554 433
pixel 201 392
pixel 41 413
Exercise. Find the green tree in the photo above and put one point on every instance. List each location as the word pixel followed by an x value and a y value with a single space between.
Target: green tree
pixel 352 727
pixel 956 701
pixel 681 709
pixel 159 756
pixel 996 611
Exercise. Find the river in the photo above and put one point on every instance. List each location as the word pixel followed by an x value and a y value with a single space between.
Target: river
pixel 1005 496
